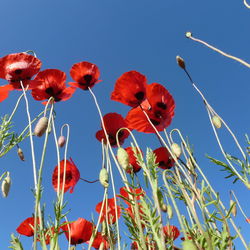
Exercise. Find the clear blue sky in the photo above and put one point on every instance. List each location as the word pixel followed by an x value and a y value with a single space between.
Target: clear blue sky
pixel 120 36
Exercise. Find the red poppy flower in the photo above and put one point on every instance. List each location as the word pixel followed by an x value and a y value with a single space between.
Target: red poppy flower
pixel 78 231
pixel 132 161
pixel 109 210
pixel 100 241
pixel 113 122
pixel 163 158
pixel 130 89
pixel 27 227
pixel 159 106
pixel 248 220
pixel 85 75
pixel 71 178
pixel 171 232
pixel 19 67
pixel 136 192
pixel 51 83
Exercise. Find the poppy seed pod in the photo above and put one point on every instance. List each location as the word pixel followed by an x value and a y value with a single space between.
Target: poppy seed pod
pixel 123 158
pixel 176 149
pixel 61 141
pixel 41 126
pixel 216 121
pixel 180 62
pixel 188 245
pixel 104 177
pixel 20 154
pixel 6 185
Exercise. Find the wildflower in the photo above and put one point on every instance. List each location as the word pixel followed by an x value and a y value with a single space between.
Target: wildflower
pixel 125 194
pixel 159 107
pixel 135 167
pixel 19 67
pixel 113 122
pixel 27 227
pixel 4 91
pixel 52 83
pixel 78 231
pixel 248 220
pixel 130 89
pixel 41 126
pixel 109 210
pixel 163 158
pixel 171 232
pixel 6 185
pixel 100 242
pixel 72 176
pixel 85 75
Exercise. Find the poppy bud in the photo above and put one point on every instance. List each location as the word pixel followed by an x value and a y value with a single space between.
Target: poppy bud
pixel 234 209
pixel 104 177
pixel 216 121
pixel 188 34
pixel 6 185
pixel 123 158
pixel 188 245
pixel 41 126
pixel 176 149
pixel 170 212
pixel 20 154
pixel 180 62
pixel 61 141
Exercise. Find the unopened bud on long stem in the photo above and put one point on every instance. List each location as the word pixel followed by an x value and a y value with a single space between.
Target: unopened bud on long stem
pixel 123 158
pixel 176 149
pixel 41 126
pixel 180 62
pixel 61 141
pixel 104 177
pixel 20 154
pixel 6 185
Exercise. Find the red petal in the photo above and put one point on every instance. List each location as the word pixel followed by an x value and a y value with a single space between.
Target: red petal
pixel 130 89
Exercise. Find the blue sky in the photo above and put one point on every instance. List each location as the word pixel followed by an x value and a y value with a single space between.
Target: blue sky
pixel 120 36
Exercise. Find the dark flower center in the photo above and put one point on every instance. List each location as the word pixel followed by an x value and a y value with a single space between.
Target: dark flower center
pixel 139 95
pixel 50 91
pixel 87 78
pixel 162 163
pixel 161 105
pixel 155 123
pixel 18 71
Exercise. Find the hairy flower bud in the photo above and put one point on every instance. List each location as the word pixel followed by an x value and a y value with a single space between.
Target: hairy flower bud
pixel 188 245
pixel 20 154
pixel 176 149
pixel 41 126
pixel 123 158
pixel 104 177
pixel 180 62
pixel 234 208
pixel 188 34
pixel 164 208
pixel 61 141
pixel 170 212
pixel 6 185
pixel 216 121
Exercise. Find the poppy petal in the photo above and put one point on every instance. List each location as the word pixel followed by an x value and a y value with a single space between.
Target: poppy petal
pixel 130 88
